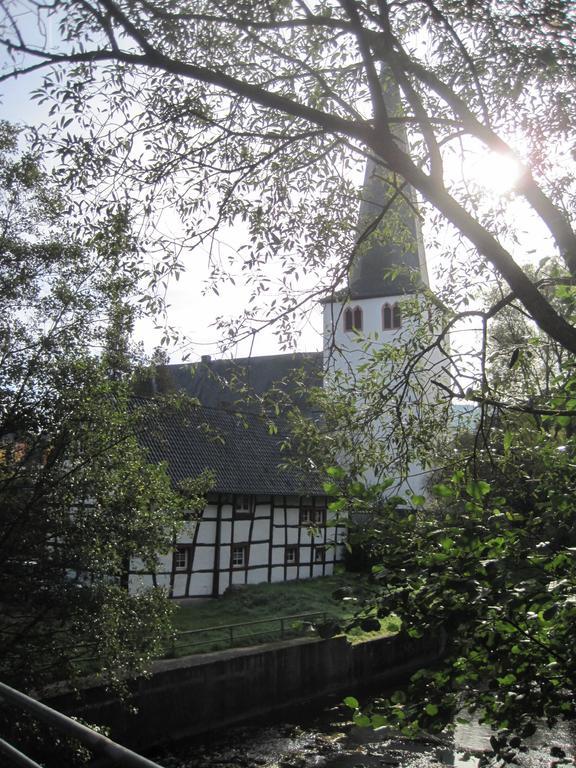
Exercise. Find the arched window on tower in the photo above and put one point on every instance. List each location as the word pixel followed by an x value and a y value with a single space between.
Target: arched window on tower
pixel 353 319
pixel 391 317
pixel 386 317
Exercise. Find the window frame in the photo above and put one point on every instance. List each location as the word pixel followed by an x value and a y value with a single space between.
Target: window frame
pixel 386 317
pixel 239 548
pixel 353 319
pixel 242 511
pixel 292 548
pixel 179 551
pixel 391 316
pixel 319 554
pixel 311 516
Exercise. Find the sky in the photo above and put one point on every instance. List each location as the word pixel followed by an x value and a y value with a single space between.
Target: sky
pixel 192 306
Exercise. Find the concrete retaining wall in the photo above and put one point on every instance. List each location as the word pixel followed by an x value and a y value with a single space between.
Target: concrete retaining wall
pixel 188 696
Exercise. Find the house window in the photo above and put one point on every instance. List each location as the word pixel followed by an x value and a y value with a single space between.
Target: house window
pixel 181 558
pixel 391 317
pixel 353 319
pixel 319 554
pixel 312 516
pixel 239 556
pixel 291 555
pixel 242 505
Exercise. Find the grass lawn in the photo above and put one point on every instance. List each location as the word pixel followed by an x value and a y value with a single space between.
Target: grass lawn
pixel 267 602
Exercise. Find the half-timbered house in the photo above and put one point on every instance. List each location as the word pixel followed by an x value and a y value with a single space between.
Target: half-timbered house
pixel 265 519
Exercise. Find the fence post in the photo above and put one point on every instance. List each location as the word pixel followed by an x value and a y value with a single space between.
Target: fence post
pixel 282 628
pixel 231 628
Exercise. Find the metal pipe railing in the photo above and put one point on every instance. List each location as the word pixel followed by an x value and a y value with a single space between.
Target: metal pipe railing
pixel 16 757
pixel 99 744
pixel 233 632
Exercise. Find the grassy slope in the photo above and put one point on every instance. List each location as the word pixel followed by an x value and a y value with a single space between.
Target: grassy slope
pixel 267 601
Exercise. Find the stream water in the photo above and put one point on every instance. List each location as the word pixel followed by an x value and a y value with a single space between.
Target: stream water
pixel 325 740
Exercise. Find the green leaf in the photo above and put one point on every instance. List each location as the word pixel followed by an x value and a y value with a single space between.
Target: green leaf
pixel 477 489
pixel 418 500
pixel 442 490
pixel 563 421
pixel 351 702
pixel 508 679
pixel 431 709
pixel 362 721
pixel 378 721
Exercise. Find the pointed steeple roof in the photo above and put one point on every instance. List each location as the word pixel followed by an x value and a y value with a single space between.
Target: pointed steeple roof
pixel 388 231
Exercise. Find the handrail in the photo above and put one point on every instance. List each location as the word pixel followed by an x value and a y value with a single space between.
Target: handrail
pixel 98 743
pixel 183 638
pixel 250 623
pixel 18 758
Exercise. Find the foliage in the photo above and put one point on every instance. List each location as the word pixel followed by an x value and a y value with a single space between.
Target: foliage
pixel 523 366
pixel 491 568
pixel 77 496
pixel 262 115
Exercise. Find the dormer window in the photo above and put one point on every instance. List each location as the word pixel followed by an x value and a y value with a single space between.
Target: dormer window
pixel 242 506
pixel 391 317
pixel 352 319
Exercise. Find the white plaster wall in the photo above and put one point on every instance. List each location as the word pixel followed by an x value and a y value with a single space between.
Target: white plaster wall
pixel 347 351
pixel 286 529
pixel 258 554
pixel 343 349
pixel 258 576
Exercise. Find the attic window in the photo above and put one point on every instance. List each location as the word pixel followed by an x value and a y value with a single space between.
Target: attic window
pixel 353 319
pixel 312 516
pixel 242 505
pixel 391 317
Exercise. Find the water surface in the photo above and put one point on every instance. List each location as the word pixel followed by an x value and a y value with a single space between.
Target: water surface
pixel 313 739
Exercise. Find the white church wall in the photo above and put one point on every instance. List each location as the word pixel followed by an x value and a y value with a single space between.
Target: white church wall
pixel 346 351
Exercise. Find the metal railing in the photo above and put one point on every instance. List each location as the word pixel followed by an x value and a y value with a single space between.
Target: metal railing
pixel 101 745
pixel 232 635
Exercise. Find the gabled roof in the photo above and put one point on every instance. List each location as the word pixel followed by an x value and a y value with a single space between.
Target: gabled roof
pixel 237 447
pixel 217 383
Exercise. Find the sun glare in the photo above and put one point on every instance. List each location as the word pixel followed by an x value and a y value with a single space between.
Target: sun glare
pixel 497 173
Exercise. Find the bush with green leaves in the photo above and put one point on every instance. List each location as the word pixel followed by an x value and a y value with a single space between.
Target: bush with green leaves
pixel 78 497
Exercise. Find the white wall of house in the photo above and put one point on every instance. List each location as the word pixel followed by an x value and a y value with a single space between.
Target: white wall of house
pixel 240 539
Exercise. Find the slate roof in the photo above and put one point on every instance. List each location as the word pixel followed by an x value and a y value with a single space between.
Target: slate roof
pixel 393 244
pixel 217 383
pixel 238 448
pixel 395 241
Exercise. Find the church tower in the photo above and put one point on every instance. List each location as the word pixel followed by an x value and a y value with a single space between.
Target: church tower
pixel 382 308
